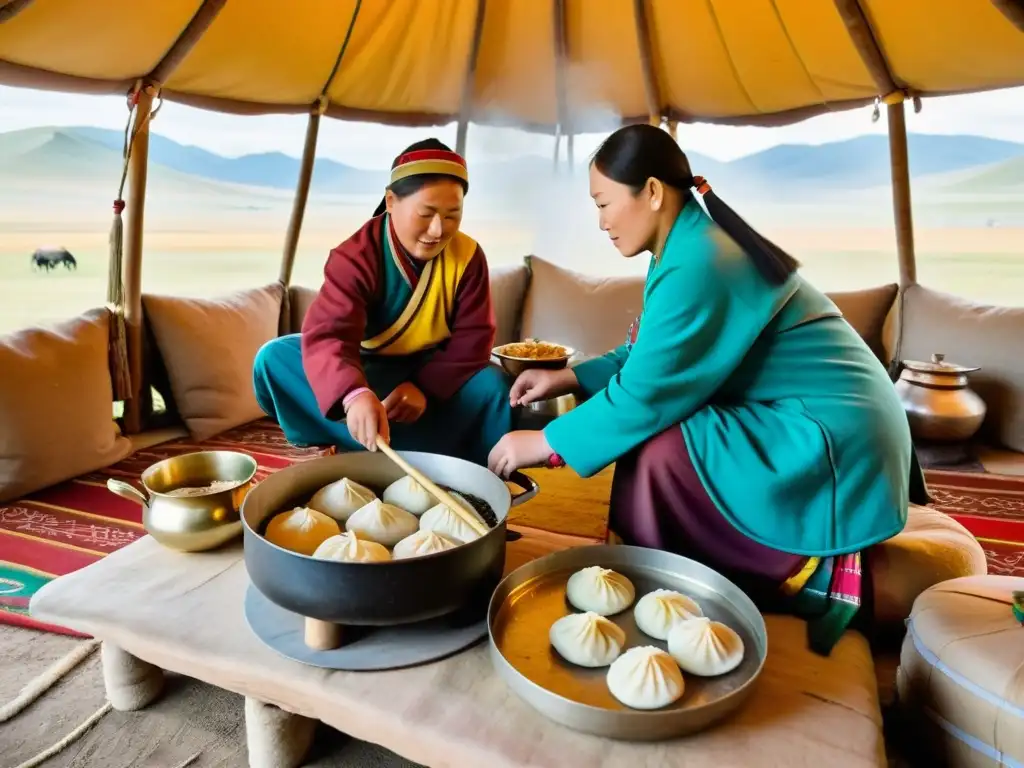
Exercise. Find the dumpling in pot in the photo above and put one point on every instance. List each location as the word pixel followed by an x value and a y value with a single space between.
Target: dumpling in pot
pixel 341 498
pixel 383 523
pixel 409 495
pixel 422 543
pixel 645 677
pixel 704 647
pixel 600 590
pixel 587 639
pixel 658 611
pixel 441 519
pixel 301 529
pixel 349 548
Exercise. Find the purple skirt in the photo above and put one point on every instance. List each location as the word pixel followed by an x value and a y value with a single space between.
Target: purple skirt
pixel 658 501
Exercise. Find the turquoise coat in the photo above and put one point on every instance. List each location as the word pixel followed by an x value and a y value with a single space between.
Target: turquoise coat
pixel 791 422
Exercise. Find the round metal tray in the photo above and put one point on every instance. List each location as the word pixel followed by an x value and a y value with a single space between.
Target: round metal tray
pixel 529 600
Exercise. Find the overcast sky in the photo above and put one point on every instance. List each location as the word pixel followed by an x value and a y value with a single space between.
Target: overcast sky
pixel 998 114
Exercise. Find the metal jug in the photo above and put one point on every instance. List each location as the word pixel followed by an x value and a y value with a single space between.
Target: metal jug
pixel 939 403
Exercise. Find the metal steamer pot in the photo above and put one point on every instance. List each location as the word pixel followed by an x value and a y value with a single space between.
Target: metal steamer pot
pixel 939 403
pixel 387 593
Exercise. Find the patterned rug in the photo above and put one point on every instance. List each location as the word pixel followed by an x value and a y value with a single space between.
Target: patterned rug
pixel 989 506
pixel 69 526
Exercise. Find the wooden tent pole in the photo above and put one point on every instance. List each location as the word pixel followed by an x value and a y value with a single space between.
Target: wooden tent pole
pixel 646 49
pixel 900 164
pixel 1013 10
pixel 11 8
pixel 673 130
pixel 468 84
pixel 135 213
pixel 291 238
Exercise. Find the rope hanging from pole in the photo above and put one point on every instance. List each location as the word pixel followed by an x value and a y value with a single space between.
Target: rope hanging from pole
pixel 118 344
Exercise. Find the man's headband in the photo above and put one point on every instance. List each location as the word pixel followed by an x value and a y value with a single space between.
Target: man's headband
pixel 429 161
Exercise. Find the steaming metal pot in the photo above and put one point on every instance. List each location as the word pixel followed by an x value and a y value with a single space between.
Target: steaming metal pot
pixel 939 403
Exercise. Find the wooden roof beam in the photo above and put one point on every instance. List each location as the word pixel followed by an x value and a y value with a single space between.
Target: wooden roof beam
pixel 859 28
pixel 196 27
pixel 646 49
pixel 1013 10
pixel 11 8
pixel 469 83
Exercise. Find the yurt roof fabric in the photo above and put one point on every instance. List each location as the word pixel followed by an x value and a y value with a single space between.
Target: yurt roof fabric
pixel 584 64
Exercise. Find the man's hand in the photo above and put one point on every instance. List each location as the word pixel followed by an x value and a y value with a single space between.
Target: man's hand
pixel 405 404
pixel 366 417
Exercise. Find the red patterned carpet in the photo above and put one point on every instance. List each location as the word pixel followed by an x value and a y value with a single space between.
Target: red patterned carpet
pixel 989 506
pixel 67 527
pixel 71 525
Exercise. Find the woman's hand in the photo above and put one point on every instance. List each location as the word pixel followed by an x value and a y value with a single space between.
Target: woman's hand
pixel 537 384
pixel 366 417
pixel 525 448
pixel 405 404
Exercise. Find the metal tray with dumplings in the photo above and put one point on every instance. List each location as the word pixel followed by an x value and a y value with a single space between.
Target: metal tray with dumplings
pixel 529 600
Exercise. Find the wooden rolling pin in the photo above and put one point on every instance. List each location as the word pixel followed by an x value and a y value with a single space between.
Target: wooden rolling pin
pixel 445 498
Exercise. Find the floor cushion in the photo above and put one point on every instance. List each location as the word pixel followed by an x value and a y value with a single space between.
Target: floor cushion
pixel 961 676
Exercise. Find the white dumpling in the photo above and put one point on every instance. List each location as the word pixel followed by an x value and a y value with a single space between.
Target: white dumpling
pixel 645 677
pixel 422 543
pixel 441 519
pixel 409 495
pixel 587 639
pixel 341 498
pixel 658 611
pixel 383 523
pixel 704 647
pixel 600 590
pixel 349 548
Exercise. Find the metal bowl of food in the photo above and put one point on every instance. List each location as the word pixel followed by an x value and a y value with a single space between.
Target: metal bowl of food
pixel 394 591
pixel 193 502
pixel 520 356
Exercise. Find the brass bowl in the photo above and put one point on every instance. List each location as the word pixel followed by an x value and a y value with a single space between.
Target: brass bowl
pixel 516 365
pixel 205 518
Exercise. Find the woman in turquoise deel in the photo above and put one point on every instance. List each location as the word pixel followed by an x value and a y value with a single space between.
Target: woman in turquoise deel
pixel 751 427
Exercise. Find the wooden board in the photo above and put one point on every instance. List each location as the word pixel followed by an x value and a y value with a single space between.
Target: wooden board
pixel 183 612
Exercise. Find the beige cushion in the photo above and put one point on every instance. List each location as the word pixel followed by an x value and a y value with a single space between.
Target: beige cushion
pixel 208 347
pixel 590 314
pixel 961 675
pixel 300 298
pixel 56 405
pixel 508 291
pixel 866 311
pixel 932 548
pixel 973 334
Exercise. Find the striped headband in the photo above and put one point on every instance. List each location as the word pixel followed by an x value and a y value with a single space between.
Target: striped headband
pixel 429 161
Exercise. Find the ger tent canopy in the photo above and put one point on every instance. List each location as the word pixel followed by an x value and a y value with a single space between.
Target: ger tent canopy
pixel 557 66
pixel 541 64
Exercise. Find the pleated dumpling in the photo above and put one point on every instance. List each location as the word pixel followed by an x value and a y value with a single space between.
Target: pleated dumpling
pixel 645 677
pixel 658 611
pixel 349 548
pixel 441 519
pixel 422 543
pixel 409 495
pixel 600 590
pixel 587 639
pixel 341 498
pixel 704 647
pixel 383 523
pixel 301 529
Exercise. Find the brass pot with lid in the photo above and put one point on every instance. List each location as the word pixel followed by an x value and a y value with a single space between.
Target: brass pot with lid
pixel 939 402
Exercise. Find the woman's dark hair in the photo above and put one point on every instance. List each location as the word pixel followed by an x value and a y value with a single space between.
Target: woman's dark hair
pixel 636 153
pixel 410 185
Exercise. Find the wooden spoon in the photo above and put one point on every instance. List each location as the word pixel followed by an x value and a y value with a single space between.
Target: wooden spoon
pixel 471 520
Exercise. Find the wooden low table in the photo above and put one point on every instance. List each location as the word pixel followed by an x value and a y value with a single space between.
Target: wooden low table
pixel 155 609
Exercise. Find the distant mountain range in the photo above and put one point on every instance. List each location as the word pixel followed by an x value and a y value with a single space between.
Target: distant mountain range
pixel 954 162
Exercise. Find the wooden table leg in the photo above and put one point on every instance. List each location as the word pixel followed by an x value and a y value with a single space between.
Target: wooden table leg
pixel 275 738
pixel 131 682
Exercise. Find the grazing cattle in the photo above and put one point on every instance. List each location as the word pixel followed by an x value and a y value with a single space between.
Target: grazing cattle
pixel 51 258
